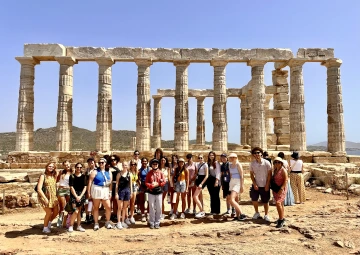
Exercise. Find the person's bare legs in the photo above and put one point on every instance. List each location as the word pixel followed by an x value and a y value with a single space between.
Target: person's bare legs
pixel 132 204
pixel 256 206
pixel 124 208
pixel 48 214
pixel 234 204
pixel 96 210
pixel 266 208
pixel 107 207
pixel 183 202
pixel 119 211
pixel 197 200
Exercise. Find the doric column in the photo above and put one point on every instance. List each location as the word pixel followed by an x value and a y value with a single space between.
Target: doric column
pixel 143 106
pixel 104 106
pixel 281 102
pixel 297 103
pixel 336 130
pixel 268 120
pixel 258 131
pixel 65 102
pixel 200 125
pixel 133 143
pixel 181 127
pixel 219 116
pixel 243 120
pixel 25 118
pixel 157 121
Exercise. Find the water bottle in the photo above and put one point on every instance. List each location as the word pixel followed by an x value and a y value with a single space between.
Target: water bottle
pixel 168 198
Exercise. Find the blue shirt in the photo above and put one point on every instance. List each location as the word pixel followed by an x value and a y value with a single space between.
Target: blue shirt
pixel 99 179
pixel 142 174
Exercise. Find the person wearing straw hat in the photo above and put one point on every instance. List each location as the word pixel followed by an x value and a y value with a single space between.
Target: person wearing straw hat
pixel 236 185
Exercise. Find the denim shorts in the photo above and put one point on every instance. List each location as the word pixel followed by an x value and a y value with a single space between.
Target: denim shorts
pixel 166 187
pixel 124 194
pixel 180 186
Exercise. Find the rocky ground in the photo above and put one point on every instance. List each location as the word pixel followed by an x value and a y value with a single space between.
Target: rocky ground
pixel 325 224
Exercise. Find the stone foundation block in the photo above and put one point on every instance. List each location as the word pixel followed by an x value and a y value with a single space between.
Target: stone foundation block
pixel 322 160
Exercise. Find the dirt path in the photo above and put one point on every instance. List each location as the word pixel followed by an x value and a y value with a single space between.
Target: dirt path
pixel 320 226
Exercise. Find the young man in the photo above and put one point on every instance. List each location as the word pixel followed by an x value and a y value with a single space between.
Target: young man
pixel 260 173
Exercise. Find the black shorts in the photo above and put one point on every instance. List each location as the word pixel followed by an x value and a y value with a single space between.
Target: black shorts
pixel 254 194
pixel 199 180
pixel 226 187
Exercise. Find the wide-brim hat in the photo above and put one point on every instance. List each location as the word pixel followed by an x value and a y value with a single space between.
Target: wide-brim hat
pixel 232 155
pixel 295 155
pixel 279 160
pixel 181 160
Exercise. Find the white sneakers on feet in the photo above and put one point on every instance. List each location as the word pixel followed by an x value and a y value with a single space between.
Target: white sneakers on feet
pixel 267 218
pixel 119 226
pixel 49 225
pixel 171 212
pixel 173 216
pixel 108 225
pixel 70 229
pixel 132 220
pixel 182 216
pixel 124 225
pixel 162 216
pixel 127 221
pixel 200 215
pixel 46 230
pixel 256 216
pixel 96 226
pixel 80 228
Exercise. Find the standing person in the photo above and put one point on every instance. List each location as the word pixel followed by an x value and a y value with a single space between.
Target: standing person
pixel 63 192
pixel 78 185
pixel 280 179
pixel 141 198
pixel 137 159
pixel 225 180
pixel 173 166
pixel 236 185
pixel 114 170
pixel 181 182
pixel 164 167
pixel 213 183
pixel 154 182
pixel 260 173
pixel 191 167
pixel 99 188
pixel 202 174
pixel 289 198
pixel 135 188
pixel 123 190
pixel 48 199
pixel 266 156
pixel 297 178
pixel 89 204
pixel 158 154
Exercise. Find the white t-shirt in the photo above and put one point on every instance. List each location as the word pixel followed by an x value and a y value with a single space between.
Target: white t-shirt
pixel 203 165
pixel 296 165
pixel 260 170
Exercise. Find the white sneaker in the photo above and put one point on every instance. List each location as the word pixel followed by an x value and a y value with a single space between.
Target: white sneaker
pixel 267 218
pixel 200 215
pixel 228 212
pixel 96 226
pixel 182 216
pixel 256 216
pixel 143 218
pixel 171 211
pixel 187 211
pixel 80 228
pixel 71 229
pixel 127 221
pixel 162 216
pixel 119 226
pixel 46 230
pixel 132 220
pixel 124 225
pixel 173 216
pixel 108 225
pixel 49 225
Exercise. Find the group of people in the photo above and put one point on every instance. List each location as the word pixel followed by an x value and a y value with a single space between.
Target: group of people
pixel 141 186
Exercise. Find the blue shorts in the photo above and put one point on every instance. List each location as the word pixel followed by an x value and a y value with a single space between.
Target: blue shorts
pixel 166 187
pixel 124 194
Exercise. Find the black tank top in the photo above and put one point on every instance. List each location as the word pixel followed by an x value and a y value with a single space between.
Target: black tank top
pixel 124 182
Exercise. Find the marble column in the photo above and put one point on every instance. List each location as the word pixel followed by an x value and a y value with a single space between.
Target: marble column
pixel 243 120
pixel 281 102
pixel 104 106
pixel 336 130
pixel 133 143
pixel 297 109
pixel 25 118
pixel 200 125
pixel 65 102
pixel 268 124
pixel 219 116
pixel 157 122
pixel 181 127
pixel 258 131
pixel 143 106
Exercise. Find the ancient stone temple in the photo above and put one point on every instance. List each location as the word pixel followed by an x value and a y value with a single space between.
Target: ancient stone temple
pixel 282 127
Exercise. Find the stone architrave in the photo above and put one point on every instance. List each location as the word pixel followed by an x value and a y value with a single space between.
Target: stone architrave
pixel 297 106
pixel 258 131
pixel 200 125
pixel 281 102
pixel 181 127
pixel 104 105
pixel 143 105
pixel 243 120
pixel 25 118
pixel 336 130
pixel 157 122
pixel 65 102
pixel 219 116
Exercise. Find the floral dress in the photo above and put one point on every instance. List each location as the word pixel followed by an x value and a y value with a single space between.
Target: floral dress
pixel 50 193
pixel 279 180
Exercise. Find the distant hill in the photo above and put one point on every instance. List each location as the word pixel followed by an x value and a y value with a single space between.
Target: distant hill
pixel 348 145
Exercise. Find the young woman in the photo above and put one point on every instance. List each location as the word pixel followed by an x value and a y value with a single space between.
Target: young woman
pixel 135 188
pixel 280 178
pixel 202 174
pixel 225 181
pixel 173 166
pixel 191 167
pixel 137 159
pixel 123 192
pixel 213 183
pixel 297 178
pixel 48 200
pixel 63 192
pixel 164 167
pixel 289 198
pixel 114 170
pixel 99 188
pixel 154 182
pixel 181 181
pixel 78 185
pixel 236 185
pixel 158 154
pixel 89 205
pixel 141 198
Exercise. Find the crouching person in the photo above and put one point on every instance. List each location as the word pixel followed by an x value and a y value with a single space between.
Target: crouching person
pixel 154 182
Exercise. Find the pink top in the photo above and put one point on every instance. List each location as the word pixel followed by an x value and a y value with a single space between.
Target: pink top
pixel 191 169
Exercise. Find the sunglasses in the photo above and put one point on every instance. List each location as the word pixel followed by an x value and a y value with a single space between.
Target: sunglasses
pixel 101 162
pixel 256 152
pixel 200 158
pixel 113 159
pixel 136 154
pixel 132 164
pixel 79 167
pixel 144 162
pixel 277 162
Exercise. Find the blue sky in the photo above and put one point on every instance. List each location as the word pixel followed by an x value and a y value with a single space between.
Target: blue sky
pixel 177 24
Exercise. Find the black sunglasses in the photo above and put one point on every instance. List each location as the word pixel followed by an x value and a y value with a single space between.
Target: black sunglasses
pixel 132 164
pixel 257 152
pixel 101 162
pixel 136 154
pixel 79 167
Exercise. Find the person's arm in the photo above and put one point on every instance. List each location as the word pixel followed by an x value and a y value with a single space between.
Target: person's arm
pixel 148 181
pixel 117 185
pixel 252 176
pixel 39 188
pixel 285 176
pixel 162 178
pixel 241 173
pixel 131 186
pixel 217 173
pixel 91 179
pixel 84 189
pixel 268 179
pixel 302 167
pixel 206 175
pixel 110 186
pixel 187 179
